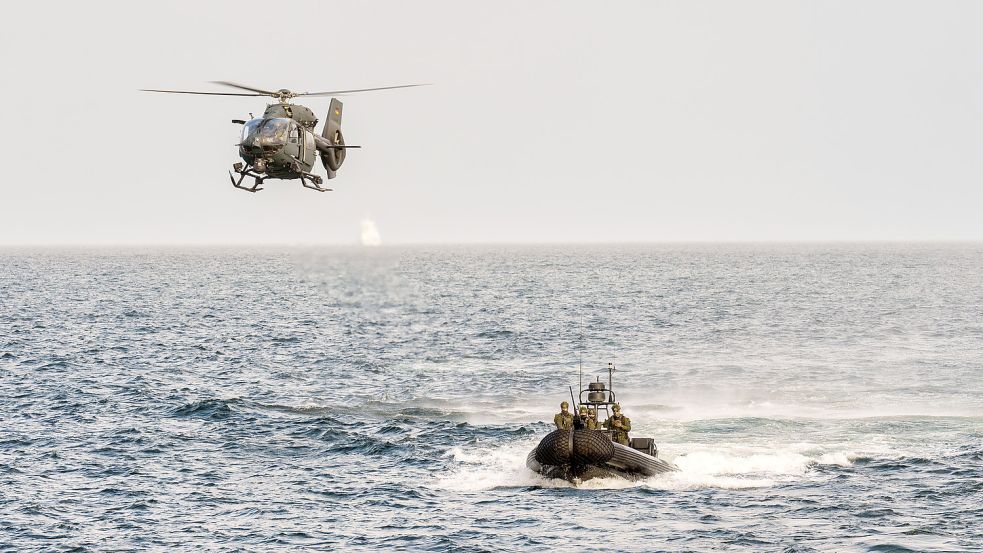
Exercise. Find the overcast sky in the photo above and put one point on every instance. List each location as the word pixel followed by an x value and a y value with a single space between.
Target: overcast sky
pixel 548 121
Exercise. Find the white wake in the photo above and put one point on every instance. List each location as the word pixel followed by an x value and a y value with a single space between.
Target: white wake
pixel 724 466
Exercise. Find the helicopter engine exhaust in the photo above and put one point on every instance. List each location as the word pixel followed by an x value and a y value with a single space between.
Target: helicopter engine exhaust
pixel 332 158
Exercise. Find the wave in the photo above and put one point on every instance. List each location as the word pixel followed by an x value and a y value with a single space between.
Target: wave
pixel 660 408
pixel 208 409
pixel 222 408
pixel 306 410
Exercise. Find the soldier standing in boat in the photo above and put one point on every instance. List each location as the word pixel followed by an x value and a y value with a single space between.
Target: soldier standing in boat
pixel 586 421
pixel 619 425
pixel 564 419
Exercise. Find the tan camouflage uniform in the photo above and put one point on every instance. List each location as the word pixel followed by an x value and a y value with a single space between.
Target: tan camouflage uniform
pixel 564 419
pixel 589 422
pixel 619 432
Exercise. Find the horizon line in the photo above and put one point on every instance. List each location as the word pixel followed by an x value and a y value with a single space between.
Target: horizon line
pixel 859 241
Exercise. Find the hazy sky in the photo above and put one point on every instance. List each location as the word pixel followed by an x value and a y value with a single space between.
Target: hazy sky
pixel 549 121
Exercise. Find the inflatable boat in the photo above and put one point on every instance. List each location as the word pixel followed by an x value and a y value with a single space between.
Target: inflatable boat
pixel 579 453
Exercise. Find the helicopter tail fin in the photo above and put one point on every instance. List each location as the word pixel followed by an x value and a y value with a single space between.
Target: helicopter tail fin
pixel 332 158
pixel 334 118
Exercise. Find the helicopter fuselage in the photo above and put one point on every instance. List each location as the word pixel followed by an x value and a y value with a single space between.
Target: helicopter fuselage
pixel 280 147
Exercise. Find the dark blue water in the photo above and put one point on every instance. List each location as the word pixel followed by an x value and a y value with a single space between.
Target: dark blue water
pixel 816 398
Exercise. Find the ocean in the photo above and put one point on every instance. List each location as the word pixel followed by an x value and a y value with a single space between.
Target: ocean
pixel 816 397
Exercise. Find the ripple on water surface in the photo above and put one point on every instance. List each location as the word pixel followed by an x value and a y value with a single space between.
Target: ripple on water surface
pixel 820 398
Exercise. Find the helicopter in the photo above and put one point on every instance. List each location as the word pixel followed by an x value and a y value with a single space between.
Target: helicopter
pixel 282 144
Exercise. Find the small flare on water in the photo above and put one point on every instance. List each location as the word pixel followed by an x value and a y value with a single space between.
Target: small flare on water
pixel 370 233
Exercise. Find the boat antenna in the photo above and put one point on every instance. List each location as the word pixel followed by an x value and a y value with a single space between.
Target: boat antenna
pixel 611 370
pixel 581 352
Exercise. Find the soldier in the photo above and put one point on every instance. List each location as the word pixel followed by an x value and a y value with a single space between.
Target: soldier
pixel 585 420
pixel 564 419
pixel 619 425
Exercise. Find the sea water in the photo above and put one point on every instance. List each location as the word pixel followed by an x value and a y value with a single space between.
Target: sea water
pixel 822 397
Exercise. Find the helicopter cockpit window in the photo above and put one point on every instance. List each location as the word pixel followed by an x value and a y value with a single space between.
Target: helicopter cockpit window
pixel 267 131
pixel 276 129
pixel 250 128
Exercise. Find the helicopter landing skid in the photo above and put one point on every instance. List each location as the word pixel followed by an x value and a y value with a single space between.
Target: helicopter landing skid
pixel 315 183
pixel 243 173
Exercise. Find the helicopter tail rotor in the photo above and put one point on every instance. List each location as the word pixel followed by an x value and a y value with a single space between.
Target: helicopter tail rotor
pixel 332 158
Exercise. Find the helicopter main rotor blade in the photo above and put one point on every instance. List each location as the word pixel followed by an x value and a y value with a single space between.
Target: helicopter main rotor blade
pixel 339 92
pixel 249 88
pixel 205 93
